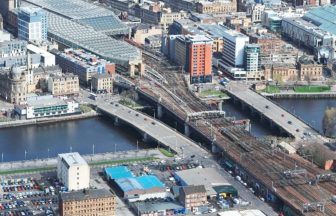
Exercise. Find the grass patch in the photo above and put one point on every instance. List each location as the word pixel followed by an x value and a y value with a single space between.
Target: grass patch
pixel 28 170
pixel 212 93
pixel 311 89
pixel 85 108
pixel 130 160
pixel 166 152
pixel 129 103
pixel 271 89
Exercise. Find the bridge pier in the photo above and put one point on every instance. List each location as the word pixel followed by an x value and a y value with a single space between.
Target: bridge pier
pixel 144 137
pixel 116 121
pixel 214 148
pixel 159 111
pixel 186 130
pixel 220 105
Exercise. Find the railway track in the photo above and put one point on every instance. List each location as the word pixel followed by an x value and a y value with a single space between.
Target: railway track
pixel 265 164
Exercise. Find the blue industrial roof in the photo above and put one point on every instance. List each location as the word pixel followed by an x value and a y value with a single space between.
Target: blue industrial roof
pixel 118 172
pixel 139 183
pixel 149 181
pixel 128 184
pixel 324 17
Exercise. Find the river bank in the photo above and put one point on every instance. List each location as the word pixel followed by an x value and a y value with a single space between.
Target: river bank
pixel 101 160
pixel 39 121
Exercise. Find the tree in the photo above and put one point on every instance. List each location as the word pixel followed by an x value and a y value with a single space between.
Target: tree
pixel 329 122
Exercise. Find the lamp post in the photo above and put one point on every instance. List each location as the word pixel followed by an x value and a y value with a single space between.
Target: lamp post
pixel 25 155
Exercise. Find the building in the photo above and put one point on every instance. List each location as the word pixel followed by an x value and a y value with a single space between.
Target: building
pixel 4 36
pixel 83 25
pixel 185 5
pixel 234 44
pixel 66 84
pixel 46 106
pixel 216 7
pixel 37 78
pixel 309 70
pixel 47 59
pixel 252 60
pixel 122 5
pixel 153 42
pixel 7 5
pixel 102 83
pixel 157 208
pixel 194 54
pixel 73 171
pixel 13 53
pixel 141 32
pixel 256 11
pixel 281 72
pixel 193 196
pixel 154 13
pixel 135 188
pixel 83 64
pixel 209 177
pixel 13 85
pixel 238 20
pixel 87 202
pixel 32 24
pixel 216 33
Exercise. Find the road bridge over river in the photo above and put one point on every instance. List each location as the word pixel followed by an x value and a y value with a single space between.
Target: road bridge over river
pixel 272 112
pixel 150 127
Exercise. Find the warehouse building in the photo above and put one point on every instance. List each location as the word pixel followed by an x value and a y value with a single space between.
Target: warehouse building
pixel 135 188
pixel 215 184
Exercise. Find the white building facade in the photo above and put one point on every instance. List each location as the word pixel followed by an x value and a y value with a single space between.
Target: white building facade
pixel 233 50
pixel 73 171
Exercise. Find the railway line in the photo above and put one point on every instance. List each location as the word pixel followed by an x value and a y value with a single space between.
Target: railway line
pixel 265 164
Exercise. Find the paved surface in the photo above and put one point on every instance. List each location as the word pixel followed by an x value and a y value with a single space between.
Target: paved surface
pixel 109 156
pixel 152 127
pixel 278 115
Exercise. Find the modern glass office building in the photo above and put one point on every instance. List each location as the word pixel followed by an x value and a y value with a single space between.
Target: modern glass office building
pixel 32 24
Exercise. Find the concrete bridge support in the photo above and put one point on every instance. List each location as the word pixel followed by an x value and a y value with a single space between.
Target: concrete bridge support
pixel 186 129
pixel 145 137
pixel 159 111
pixel 116 121
pixel 220 105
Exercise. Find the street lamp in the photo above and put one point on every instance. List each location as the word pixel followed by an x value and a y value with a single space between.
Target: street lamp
pixel 70 149
pixel 2 155
pixel 115 148
pixel 93 149
pixel 25 155
pixel 48 153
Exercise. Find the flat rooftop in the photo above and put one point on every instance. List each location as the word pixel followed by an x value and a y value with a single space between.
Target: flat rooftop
pixel 86 195
pixel 45 102
pixel 209 177
pixel 249 212
pixel 157 206
pixel 73 158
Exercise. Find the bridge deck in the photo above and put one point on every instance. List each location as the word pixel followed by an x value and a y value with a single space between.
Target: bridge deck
pixel 272 111
pixel 152 127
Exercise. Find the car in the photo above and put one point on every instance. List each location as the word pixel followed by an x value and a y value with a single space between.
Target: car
pixel 297 130
pixel 289 122
pixel 266 106
pixel 282 115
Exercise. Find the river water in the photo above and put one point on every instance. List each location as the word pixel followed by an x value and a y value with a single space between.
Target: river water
pixel 79 135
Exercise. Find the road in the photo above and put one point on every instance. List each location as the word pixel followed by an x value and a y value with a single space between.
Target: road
pixel 278 115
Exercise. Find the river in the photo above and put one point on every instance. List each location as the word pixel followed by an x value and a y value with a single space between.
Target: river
pixel 85 136
pixel 81 135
